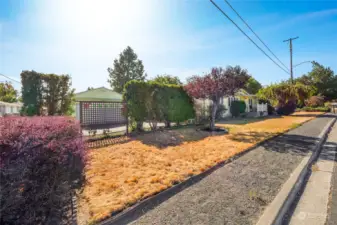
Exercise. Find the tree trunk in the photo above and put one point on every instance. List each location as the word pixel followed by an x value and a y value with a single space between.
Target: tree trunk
pixel 140 126
pixel 167 124
pixel 212 121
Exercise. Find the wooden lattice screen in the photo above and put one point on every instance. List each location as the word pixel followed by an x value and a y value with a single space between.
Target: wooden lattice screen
pixel 101 115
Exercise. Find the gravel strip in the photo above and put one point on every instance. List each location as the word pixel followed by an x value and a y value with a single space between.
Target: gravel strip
pixel 238 192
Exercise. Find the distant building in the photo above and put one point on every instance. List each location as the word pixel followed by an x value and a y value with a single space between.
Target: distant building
pixel 7 108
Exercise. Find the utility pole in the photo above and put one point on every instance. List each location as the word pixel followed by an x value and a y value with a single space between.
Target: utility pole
pixel 291 57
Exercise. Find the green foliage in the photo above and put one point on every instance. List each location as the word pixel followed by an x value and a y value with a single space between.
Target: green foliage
pixel 31 92
pixel 47 90
pixel 280 94
pixel 180 105
pixel 136 94
pixel 237 107
pixel 252 86
pixel 315 109
pixel 154 102
pixel 8 93
pixel 127 67
pixel 167 79
pixel 322 80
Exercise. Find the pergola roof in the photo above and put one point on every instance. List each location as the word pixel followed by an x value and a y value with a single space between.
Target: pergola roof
pixel 101 94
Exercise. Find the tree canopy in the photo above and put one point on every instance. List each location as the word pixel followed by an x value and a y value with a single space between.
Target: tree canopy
pixel 8 93
pixel 217 84
pixel 127 67
pixel 282 93
pixel 46 90
pixel 253 86
pixel 322 80
pixel 167 79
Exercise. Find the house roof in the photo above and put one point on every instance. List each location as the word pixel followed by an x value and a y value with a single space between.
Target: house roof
pixel 99 94
pixel 19 104
pixel 243 92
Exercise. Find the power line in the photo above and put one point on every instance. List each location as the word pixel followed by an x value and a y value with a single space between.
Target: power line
pixel 247 35
pixel 255 34
pixel 10 78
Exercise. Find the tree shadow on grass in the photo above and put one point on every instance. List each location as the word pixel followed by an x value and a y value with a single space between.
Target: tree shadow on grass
pixel 165 138
pixel 243 121
pixel 251 137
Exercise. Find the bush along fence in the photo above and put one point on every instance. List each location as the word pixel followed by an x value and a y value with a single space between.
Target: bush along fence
pixel 153 103
pixel 41 161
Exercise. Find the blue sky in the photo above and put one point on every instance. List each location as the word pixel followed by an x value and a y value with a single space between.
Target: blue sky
pixel 178 37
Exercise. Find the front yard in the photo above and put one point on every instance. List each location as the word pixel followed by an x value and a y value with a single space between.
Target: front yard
pixel 122 174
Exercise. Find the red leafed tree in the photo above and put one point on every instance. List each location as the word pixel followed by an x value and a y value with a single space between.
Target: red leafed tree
pixel 216 85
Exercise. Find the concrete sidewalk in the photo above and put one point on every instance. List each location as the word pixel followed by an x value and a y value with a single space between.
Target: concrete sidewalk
pixel 238 192
pixel 312 208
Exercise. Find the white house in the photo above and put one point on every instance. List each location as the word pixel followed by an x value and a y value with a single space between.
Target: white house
pixel 7 108
pixel 253 108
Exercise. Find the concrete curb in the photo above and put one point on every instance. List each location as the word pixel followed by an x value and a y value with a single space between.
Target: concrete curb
pixel 285 202
pixel 134 212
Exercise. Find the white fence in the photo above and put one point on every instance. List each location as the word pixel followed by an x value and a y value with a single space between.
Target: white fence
pixel 262 109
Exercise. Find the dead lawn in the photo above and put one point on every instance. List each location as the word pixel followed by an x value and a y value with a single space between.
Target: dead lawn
pixel 122 174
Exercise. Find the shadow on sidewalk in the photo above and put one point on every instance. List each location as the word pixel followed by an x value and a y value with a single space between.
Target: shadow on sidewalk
pixel 329 152
pixel 290 143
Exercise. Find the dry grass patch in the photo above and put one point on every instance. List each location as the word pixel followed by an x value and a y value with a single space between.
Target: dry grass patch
pixel 122 174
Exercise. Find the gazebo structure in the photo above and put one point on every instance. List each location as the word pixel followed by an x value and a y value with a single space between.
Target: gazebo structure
pixel 100 108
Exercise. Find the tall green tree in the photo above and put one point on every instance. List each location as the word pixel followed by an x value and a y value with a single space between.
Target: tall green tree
pixel 167 79
pixel 31 92
pixel 8 93
pixel 282 93
pixel 322 79
pixel 253 86
pixel 46 90
pixel 127 67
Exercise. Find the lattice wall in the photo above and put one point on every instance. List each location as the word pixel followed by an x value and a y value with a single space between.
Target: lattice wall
pixel 101 114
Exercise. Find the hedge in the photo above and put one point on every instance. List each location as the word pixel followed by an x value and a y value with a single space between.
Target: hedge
pixel 237 107
pixel 42 161
pixel 154 102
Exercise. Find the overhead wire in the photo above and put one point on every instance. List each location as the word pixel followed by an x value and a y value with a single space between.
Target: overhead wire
pixel 251 29
pixel 237 26
pixel 9 78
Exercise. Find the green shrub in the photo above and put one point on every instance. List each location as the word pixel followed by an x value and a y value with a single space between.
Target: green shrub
pixel 135 96
pixel 154 102
pixel 314 109
pixel 237 107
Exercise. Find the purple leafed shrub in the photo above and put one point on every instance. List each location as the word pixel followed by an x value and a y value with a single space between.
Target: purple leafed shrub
pixel 42 161
pixel 287 108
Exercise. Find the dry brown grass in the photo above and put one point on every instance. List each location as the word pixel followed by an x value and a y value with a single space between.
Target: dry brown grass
pixel 122 174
